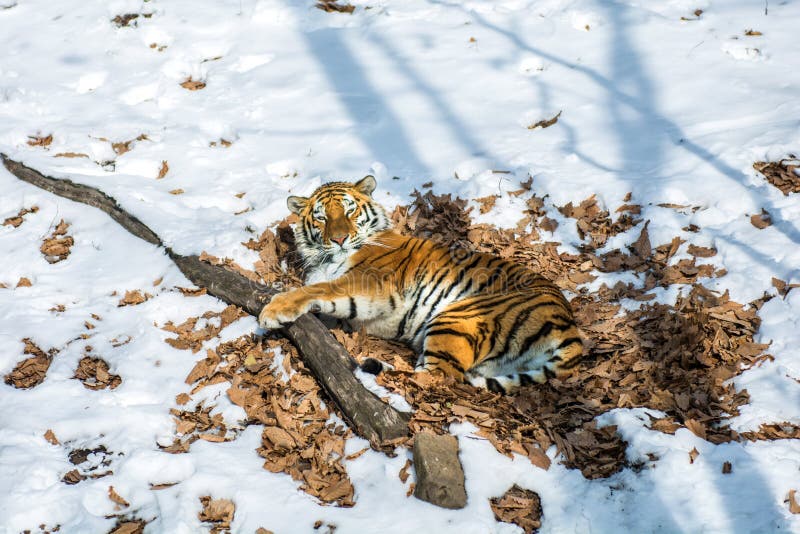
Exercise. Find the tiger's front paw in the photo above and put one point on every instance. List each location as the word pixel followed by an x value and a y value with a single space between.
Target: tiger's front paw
pixel 284 308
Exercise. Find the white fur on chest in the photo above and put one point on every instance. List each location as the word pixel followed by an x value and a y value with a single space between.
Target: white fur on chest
pixel 328 271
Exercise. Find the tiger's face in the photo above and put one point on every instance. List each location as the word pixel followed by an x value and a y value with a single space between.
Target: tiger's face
pixel 336 220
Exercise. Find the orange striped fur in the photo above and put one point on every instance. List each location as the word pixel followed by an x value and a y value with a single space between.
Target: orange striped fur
pixel 471 315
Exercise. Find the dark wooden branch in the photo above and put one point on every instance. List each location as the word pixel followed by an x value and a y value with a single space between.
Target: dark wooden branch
pixel 330 363
pixel 85 195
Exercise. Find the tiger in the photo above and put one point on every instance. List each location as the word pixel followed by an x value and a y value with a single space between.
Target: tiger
pixel 471 315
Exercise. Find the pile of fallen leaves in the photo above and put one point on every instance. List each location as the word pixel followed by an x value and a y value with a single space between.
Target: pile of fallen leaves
pixel 278 260
pixel 678 359
pixel 782 174
pixel 31 371
pixel 519 506
pixel 56 246
pixel 218 513
pixel 191 336
pixel 89 463
pixel 94 374
pixel 282 396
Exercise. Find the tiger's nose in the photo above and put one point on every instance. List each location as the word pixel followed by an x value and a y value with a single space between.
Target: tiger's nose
pixel 339 240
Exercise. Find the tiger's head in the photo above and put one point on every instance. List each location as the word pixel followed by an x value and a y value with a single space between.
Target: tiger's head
pixel 336 220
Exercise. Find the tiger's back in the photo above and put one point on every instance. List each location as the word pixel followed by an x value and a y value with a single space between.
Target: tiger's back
pixel 471 315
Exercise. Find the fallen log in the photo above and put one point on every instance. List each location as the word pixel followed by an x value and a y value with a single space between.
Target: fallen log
pixel 331 364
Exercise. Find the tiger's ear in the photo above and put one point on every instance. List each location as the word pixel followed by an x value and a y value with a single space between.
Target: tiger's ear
pixel 296 204
pixel 366 185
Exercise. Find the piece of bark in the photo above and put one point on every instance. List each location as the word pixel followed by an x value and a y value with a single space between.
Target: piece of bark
pixel 440 477
pixel 368 416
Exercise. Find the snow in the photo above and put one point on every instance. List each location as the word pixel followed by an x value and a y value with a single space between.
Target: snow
pixel 422 90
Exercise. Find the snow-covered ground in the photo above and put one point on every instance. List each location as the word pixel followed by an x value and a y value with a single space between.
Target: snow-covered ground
pixel 412 91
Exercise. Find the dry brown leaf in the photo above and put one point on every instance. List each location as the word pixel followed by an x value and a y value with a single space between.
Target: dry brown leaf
pixel 73 477
pixel 121 147
pixel 71 155
pixel 356 454
pixel 641 247
pixel 177 191
pixel 214 438
pixel 783 287
pixel 123 21
pixel 24 282
pixel 279 437
pixel 727 468
pixel 218 512
pixel 162 172
pixel 18 219
pixel 222 142
pixel 693 454
pixel 117 342
pixel 129 527
pixel 701 252
pixel 193 85
pixel 545 123
pixel 40 140
pixel 404 471
pixel 697 428
pixel 696 13
pixel 192 292
pixel 117 499
pixel 794 507
pixel 51 437
pixel 761 220
pixel 487 203
pixel 133 297
pixel 332 6
pixel 537 456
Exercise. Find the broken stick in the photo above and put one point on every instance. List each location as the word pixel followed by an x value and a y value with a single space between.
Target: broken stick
pixel 330 363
